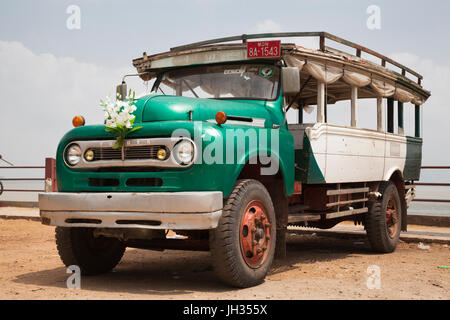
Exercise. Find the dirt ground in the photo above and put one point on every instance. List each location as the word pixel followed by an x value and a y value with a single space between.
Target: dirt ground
pixel 316 268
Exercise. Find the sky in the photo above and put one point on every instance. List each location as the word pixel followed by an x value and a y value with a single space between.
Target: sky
pixel 49 73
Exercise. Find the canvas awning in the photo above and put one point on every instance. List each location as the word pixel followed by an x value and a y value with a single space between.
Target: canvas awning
pixel 339 78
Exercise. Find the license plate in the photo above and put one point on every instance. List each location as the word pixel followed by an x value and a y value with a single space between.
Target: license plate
pixel 264 49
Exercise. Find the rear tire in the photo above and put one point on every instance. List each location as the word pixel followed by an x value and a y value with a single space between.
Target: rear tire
pixel 243 244
pixel 78 246
pixel 384 219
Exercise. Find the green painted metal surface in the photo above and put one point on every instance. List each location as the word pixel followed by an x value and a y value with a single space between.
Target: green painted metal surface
pixel 307 170
pixel 163 108
pixel 413 159
pixel 400 121
pixel 417 121
pixel 160 116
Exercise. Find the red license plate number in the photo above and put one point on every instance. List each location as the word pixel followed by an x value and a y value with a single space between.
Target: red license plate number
pixel 264 49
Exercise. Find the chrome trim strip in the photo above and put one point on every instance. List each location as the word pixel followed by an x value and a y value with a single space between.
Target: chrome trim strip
pixel 168 163
pixel 173 221
pixel 256 122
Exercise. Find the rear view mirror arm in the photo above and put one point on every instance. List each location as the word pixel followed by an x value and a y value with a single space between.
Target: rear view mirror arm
pixel 299 93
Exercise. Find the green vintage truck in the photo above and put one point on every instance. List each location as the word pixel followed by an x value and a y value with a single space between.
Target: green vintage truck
pixel 216 165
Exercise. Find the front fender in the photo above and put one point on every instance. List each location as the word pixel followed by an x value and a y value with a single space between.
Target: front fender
pixel 275 158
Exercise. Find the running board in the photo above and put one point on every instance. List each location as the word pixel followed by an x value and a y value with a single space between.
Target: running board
pixel 308 216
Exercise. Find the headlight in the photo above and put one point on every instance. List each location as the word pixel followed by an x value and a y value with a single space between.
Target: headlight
pixel 73 154
pixel 183 152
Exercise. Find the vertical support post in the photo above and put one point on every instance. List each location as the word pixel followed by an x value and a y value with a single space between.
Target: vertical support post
pixel 300 114
pixel 417 120
pixel 325 110
pixel 379 114
pixel 400 117
pixel 320 101
pixel 178 90
pixel 354 102
pixel 50 175
pixel 390 115
pixel 322 42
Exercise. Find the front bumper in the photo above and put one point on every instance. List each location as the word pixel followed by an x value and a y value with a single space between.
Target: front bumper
pixel 152 210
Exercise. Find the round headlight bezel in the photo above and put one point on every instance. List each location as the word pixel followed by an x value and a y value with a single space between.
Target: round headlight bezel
pixel 187 147
pixel 73 154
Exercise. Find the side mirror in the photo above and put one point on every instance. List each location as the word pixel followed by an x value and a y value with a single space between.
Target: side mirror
pixel 122 90
pixel 290 80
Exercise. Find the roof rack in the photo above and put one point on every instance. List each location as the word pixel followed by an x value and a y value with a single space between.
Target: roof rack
pixel 322 35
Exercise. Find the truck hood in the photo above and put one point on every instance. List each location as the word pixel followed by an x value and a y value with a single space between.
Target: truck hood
pixel 173 108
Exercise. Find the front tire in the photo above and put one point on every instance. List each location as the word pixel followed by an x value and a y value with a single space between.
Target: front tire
pixel 384 219
pixel 243 244
pixel 94 255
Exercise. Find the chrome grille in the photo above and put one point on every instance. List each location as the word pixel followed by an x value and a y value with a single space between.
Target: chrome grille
pixel 130 153
pixel 140 152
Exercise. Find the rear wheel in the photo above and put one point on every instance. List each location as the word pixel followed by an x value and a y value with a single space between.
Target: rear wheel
pixel 243 244
pixel 94 255
pixel 383 221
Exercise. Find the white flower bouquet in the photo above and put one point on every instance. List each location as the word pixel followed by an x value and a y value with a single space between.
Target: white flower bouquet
pixel 119 117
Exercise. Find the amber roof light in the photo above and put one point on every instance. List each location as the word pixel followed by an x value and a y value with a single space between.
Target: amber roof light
pixel 221 117
pixel 78 121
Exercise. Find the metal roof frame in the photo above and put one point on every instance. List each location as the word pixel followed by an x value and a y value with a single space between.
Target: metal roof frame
pixel 322 37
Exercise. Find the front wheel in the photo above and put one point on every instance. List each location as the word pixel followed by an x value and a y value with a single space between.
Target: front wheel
pixel 94 255
pixel 384 219
pixel 243 244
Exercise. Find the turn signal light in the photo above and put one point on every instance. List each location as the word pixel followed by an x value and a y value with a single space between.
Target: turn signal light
pixel 221 117
pixel 161 154
pixel 78 121
pixel 89 155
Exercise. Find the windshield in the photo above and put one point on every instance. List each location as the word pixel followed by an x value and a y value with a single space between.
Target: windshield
pixel 245 81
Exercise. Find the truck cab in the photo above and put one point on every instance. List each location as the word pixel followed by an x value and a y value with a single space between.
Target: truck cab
pixel 216 163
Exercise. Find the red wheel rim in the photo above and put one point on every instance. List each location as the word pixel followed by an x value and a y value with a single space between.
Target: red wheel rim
pixel 392 217
pixel 254 234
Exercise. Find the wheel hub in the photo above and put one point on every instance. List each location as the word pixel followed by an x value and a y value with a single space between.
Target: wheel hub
pixel 392 217
pixel 255 234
